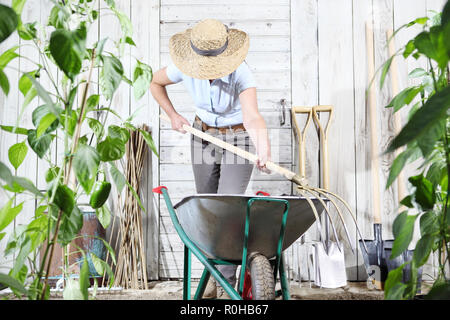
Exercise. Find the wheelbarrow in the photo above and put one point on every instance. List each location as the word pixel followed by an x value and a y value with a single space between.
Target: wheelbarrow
pixel 245 230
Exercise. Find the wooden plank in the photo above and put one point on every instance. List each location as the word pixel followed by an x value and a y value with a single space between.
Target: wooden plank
pixel 258 44
pixel 224 12
pixel 257 61
pixel 336 88
pixel 27 169
pixel 253 28
pixel 182 154
pixel 153 223
pixel 305 82
pixel 8 116
pixel 267 100
pixel 171 138
pixel 362 13
pixel 220 2
pixel 276 80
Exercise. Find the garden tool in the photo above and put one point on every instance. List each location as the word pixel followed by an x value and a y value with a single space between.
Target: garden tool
pixel 330 261
pixel 303 188
pixel 374 260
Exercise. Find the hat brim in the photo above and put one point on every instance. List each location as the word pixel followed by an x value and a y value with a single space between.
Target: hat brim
pixel 208 67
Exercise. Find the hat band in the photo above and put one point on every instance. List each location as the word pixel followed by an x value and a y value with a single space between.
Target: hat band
pixel 210 52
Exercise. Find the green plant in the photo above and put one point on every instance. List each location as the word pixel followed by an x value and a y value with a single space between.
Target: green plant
pixel 58 218
pixel 425 138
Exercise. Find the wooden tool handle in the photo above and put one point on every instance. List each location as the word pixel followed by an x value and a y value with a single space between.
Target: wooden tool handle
pixel 323 141
pixel 238 151
pixel 301 134
pixel 375 165
pixel 401 191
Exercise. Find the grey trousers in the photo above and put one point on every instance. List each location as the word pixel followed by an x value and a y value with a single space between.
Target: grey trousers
pixel 219 171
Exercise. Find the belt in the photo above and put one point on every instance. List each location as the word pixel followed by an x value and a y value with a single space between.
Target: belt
pixel 206 128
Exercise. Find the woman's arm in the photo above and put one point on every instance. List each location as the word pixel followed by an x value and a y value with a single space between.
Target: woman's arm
pixel 159 92
pixel 256 126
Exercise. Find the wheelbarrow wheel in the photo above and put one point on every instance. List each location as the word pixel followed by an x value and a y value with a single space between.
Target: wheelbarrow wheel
pixel 261 273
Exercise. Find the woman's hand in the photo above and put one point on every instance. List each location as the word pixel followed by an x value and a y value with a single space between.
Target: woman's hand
pixel 178 121
pixel 263 157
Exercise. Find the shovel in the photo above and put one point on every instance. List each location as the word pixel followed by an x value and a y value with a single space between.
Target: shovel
pixel 327 256
pixel 330 260
pixel 374 259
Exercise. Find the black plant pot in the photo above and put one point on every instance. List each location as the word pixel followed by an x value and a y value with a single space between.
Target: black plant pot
pixel 392 264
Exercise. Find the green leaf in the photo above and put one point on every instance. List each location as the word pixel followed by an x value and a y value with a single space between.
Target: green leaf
pixel 96 127
pixel 409 48
pixel 111 149
pixel 417 72
pixel 142 77
pixel 424 119
pixel 72 290
pixel 92 102
pixel 7 56
pixel 119 133
pixel 429 223
pixel 135 195
pixel 64 198
pixel 398 165
pixel 26 184
pixel 404 98
pixel 14 129
pixel 110 75
pixel 67 49
pixel 85 164
pixel 403 229
pixel 424 194
pixel 423 250
pixel 385 70
pixel 8 22
pixel 9 213
pixel 4 82
pixel 39 145
pixel 118 177
pixel 439 291
pixel 17 153
pixel 407 201
pixel 101 266
pixel 432 44
pixel 5 174
pixel 104 216
pixel 45 120
pixel 394 277
pixel 12 283
pixel 70 226
pixel 396 292
pixel 149 140
pixel 84 278
pixel 43 94
pixel 71 123
pixel 45 123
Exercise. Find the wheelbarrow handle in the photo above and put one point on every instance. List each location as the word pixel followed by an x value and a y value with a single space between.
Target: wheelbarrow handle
pixel 240 152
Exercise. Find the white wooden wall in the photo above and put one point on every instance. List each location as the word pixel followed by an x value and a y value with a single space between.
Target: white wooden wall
pixel 308 52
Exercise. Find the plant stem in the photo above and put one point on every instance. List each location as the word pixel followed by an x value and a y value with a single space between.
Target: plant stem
pixel 69 168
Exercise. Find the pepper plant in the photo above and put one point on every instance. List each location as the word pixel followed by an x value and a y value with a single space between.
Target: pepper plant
pixel 87 158
pixel 424 138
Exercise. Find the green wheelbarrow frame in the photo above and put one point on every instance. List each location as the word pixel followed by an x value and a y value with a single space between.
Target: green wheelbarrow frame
pixel 210 269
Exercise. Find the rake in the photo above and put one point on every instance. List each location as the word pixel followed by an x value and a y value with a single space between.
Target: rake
pixel 299 179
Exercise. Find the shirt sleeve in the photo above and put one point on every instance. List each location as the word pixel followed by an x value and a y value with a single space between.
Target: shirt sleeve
pixel 173 73
pixel 244 78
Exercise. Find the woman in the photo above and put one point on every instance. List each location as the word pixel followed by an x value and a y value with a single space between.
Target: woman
pixel 209 59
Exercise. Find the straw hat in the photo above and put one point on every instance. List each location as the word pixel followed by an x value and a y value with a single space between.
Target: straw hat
pixel 210 50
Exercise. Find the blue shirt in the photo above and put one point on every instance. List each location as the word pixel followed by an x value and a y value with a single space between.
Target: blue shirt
pixel 218 102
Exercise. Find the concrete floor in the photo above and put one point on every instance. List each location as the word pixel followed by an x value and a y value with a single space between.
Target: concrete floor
pixel 173 290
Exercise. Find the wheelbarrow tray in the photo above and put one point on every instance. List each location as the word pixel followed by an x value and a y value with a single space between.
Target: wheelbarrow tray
pixel 216 223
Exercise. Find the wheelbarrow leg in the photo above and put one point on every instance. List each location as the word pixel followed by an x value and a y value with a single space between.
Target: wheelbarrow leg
pixel 202 284
pixel 283 281
pixel 187 274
